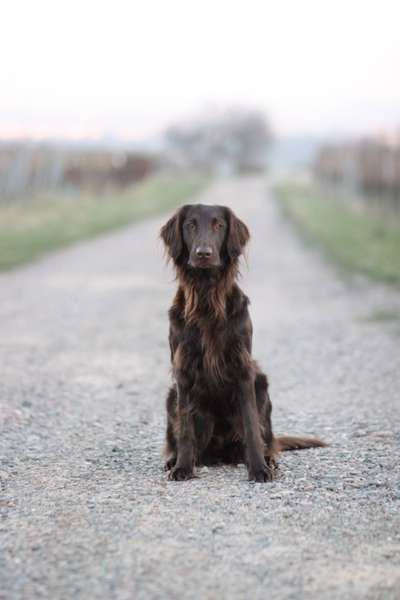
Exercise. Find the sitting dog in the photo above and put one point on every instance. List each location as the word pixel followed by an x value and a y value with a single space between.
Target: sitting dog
pixel 219 410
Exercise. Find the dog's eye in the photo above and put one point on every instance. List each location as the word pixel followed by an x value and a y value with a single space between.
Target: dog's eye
pixel 218 225
pixel 191 225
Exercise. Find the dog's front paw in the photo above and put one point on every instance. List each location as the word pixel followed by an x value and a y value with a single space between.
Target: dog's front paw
pixel 170 462
pixel 181 474
pixel 261 474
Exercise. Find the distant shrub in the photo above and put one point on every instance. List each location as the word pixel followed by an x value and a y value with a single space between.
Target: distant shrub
pixel 371 166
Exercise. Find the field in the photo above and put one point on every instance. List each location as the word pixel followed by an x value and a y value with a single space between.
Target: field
pixel 32 228
pixel 358 240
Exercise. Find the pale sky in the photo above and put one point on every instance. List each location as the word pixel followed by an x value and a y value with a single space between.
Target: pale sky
pixel 128 68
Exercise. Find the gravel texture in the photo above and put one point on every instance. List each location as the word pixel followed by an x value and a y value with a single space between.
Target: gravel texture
pixel 86 510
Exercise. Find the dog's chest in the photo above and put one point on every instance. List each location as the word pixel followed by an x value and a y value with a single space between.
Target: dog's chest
pixel 208 350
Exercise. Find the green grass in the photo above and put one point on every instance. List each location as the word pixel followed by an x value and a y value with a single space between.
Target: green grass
pixel 387 317
pixel 358 241
pixel 33 228
pixel 384 316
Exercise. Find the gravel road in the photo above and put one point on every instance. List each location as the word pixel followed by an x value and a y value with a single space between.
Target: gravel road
pixel 86 510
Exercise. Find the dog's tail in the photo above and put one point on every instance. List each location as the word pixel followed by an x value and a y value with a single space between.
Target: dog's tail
pixel 290 442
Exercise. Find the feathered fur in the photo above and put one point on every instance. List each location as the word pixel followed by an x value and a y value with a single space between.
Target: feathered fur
pixel 218 409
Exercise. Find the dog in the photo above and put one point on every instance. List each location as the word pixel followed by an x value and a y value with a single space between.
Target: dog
pixel 219 409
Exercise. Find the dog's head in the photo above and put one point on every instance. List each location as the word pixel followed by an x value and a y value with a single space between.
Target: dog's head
pixel 204 237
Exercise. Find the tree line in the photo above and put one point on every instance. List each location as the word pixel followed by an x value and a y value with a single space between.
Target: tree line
pixel 28 168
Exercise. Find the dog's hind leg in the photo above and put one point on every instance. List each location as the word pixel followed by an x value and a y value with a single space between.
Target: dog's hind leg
pixel 170 445
pixel 264 406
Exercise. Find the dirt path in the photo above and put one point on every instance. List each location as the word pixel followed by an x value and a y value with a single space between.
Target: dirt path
pixel 87 511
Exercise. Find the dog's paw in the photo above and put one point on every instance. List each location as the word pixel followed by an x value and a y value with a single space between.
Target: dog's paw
pixel 181 474
pixel 261 475
pixel 170 462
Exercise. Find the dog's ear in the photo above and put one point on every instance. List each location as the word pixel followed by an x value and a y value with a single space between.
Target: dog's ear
pixel 238 235
pixel 171 234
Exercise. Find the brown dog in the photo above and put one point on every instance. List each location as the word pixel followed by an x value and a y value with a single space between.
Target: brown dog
pixel 219 410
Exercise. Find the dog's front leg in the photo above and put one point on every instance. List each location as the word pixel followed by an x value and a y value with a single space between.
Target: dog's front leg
pixel 257 468
pixel 183 468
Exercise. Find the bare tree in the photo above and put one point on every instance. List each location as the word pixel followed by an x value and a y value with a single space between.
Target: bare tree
pixel 234 141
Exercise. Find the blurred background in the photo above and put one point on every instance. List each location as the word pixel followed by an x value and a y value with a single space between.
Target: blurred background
pixel 112 111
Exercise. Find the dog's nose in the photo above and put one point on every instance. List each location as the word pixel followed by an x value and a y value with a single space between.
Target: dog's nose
pixel 203 252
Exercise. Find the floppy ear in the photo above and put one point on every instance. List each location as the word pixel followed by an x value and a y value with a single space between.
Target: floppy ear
pixel 238 235
pixel 171 234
